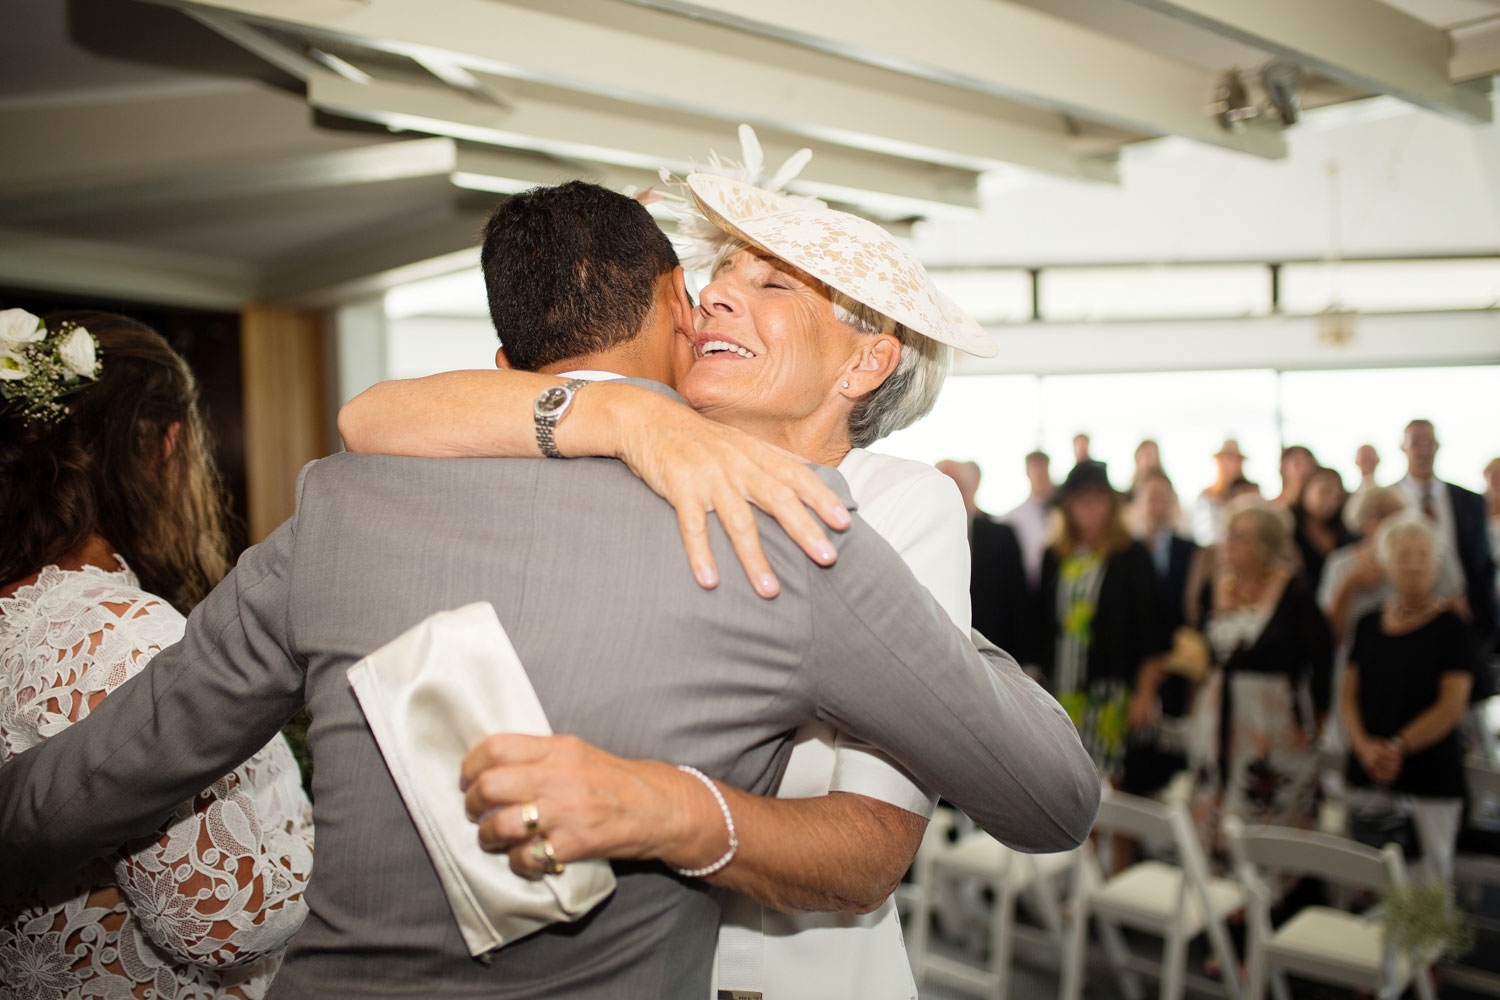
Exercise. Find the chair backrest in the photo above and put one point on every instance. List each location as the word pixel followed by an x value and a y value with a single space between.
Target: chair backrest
pixel 1284 850
pixel 1144 819
pixel 1484 792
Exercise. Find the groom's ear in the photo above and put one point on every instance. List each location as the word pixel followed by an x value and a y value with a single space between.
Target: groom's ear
pixel 501 361
pixel 682 302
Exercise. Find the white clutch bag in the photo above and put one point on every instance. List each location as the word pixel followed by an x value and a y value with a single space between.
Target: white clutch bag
pixel 428 697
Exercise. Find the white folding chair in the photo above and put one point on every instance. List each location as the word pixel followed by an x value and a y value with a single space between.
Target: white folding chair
pixel 917 897
pixel 1176 902
pixel 1008 874
pixel 1319 942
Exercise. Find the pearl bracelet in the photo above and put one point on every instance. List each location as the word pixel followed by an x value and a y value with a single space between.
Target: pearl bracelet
pixel 734 843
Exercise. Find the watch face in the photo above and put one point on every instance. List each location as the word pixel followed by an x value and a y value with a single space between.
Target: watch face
pixel 551 400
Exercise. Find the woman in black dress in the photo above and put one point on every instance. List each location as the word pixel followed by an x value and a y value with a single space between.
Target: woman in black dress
pixel 1405 691
pixel 1259 713
pixel 1101 618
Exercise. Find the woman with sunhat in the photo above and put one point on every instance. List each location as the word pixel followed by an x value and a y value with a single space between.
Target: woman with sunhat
pixel 820 334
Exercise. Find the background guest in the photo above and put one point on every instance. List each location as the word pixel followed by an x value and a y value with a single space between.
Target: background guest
pixel 1151 763
pixel 1404 693
pixel 1259 711
pixel 1030 519
pixel 1147 459
pixel 1458 517
pixel 1208 512
pixel 1366 460
pixel 1297 464
pixel 1355 584
pixel 1171 553
pixel 1080 448
pixel 1318 514
pixel 114 531
pixel 997 580
pixel 1101 624
pixel 1492 510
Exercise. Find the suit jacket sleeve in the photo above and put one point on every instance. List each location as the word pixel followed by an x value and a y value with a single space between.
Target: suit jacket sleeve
pixel 155 742
pixel 886 665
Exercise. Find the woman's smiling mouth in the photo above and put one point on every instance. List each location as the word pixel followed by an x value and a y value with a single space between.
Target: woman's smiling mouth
pixel 718 347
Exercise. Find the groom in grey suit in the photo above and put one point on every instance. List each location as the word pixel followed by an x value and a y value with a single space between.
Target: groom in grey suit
pixel 584 568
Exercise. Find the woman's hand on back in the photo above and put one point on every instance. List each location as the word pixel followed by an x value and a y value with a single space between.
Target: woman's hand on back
pixel 698 466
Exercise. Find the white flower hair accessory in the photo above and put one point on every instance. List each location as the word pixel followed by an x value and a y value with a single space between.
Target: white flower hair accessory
pixel 39 367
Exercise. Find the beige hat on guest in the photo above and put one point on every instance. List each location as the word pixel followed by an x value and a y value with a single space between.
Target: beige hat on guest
pixel 845 252
pixel 1230 447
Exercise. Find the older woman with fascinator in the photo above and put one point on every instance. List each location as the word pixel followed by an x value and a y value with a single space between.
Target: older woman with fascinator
pixel 114 530
pixel 817 334
pixel 1405 690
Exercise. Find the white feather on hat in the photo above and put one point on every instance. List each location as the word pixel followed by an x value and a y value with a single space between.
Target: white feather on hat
pixel 698 239
pixel 846 252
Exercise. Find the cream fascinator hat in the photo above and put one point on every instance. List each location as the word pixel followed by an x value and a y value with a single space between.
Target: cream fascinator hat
pixel 844 251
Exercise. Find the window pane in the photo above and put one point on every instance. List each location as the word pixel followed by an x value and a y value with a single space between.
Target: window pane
pixel 1334 412
pixel 989 419
pixel 1391 286
pixel 1081 294
pixel 999 296
pixel 458 294
pixel 1188 414
pixel 425 345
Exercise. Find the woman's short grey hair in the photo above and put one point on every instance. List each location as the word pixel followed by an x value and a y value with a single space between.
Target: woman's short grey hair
pixel 908 393
pixel 1400 528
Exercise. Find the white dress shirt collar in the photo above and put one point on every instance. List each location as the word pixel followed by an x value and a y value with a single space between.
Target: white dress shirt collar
pixel 591 375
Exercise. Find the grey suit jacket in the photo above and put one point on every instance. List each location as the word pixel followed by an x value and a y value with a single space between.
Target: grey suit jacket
pixel 585 569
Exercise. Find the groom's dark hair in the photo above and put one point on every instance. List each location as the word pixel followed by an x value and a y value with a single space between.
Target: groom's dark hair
pixel 570 270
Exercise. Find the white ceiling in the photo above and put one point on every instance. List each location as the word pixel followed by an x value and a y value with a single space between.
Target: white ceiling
pixel 1028 131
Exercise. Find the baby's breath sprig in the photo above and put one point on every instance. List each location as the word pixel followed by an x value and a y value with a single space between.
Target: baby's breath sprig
pixel 38 367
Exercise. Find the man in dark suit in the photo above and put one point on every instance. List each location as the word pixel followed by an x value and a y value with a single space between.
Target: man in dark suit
pixel 997 580
pixel 1171 553
pixel 1458 515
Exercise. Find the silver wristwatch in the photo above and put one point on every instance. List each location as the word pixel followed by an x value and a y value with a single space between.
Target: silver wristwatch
pixel 550 406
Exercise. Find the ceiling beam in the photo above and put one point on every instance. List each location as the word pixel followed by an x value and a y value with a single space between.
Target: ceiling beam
pixel 1476 51
pixel 1369 44
pixel 131 273
pixel 647 57
pixel 108 141
pixel 504 171
pixel 388 161
pixel 1002 49
pixel 600 132
pixel 374 260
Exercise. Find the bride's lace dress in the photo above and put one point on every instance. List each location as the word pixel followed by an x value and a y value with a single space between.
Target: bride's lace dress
pixel 202 910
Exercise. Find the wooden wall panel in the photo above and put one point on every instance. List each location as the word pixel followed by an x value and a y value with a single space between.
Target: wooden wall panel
pixel 286 407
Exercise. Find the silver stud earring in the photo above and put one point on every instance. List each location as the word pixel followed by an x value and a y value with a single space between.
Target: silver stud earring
pixel 845 384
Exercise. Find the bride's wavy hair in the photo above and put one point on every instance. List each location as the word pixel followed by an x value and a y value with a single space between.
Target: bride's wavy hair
pixel 107 468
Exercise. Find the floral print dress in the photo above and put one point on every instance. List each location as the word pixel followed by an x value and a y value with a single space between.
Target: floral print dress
pixel 203 909
pixel 1253 745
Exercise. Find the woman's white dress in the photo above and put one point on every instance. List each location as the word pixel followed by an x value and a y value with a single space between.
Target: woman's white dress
pixel 826 956
pixel 202 910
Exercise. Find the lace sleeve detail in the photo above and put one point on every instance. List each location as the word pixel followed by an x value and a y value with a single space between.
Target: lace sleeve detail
pixel 222 885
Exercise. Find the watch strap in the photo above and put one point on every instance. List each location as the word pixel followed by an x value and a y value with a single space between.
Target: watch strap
pixel 546 424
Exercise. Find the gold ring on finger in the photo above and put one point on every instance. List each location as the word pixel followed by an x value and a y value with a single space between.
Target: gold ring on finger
pixel 543 851
pixel 531 816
